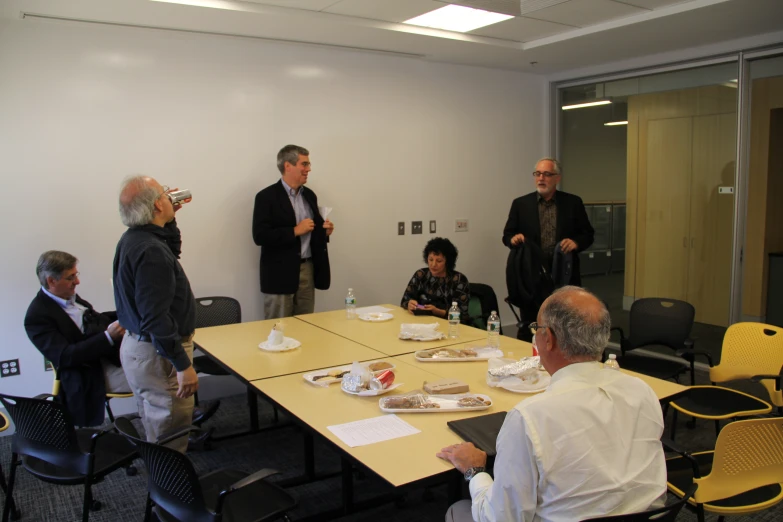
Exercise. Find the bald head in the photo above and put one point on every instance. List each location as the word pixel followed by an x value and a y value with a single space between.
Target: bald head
pixel 137 200
pixel 579 321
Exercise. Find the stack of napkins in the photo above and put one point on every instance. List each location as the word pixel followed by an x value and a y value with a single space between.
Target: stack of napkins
pixel 421 332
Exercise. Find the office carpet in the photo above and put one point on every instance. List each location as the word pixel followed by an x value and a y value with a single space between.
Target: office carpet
pixel 123 497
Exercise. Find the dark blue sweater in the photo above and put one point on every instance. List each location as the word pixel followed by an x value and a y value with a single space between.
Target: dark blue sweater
pixel 151 291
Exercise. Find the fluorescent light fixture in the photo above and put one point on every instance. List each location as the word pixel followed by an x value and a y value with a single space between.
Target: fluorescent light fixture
pixel 588 104
pixel 458 18
pixel 614 123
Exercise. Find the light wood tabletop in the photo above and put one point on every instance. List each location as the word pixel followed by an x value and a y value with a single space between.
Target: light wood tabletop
pixel 474 373
pixel 399 461
pixel 236 347
pixel 383 336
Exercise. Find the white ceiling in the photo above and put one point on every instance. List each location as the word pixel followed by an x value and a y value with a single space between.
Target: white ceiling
pixel 569 34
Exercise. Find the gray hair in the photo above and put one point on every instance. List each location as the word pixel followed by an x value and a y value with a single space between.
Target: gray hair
pixel 290 153
pixel 580 332
pixel 138 207
pixel 554 162
pixel 53 263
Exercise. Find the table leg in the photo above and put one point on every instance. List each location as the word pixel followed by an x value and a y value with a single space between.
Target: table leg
pixel 309 455
pixel 347 485
pixel 252 403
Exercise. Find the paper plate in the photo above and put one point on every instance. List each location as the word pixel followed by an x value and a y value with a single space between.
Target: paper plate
pixel 482 354
pixel 376 318
pixel 287 344
pixel 446 404
pixel 324 381
pixel 518 386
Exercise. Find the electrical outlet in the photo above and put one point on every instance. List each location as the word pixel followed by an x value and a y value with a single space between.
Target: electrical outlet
pixel 401 228
pixel 461 225
pixel 415 227
pixel 9 368
pixel 433 228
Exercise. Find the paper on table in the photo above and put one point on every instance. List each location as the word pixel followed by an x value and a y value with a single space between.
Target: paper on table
pixel 372 310
pixel 324 211
pixel 370 431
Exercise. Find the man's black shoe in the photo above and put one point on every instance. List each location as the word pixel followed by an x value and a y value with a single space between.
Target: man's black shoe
pixel 200 441
pixel 204 411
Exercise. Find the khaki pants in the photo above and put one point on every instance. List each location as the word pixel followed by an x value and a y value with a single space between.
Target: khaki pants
pixel 153 380
pixel 114 378
pixel 460 512
pixel 287 305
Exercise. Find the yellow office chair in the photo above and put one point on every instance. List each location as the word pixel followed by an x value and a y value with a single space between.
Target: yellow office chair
pixel 750 351
pixel 109 396
pixel 744 474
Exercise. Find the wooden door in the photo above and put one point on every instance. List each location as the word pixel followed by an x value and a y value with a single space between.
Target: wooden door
pixel 667 215
pixel 711 223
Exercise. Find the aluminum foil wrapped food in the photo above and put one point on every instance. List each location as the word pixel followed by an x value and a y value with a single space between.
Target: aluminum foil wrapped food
pixel 522 367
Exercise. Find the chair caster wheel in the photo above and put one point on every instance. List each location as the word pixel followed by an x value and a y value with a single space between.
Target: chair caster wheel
pixel 96 505
pixel 131 471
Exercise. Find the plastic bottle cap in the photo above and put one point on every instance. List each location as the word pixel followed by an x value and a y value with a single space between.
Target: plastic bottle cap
pixel 350 289
pixel 494 311
pixel 612 356
pixel 454 303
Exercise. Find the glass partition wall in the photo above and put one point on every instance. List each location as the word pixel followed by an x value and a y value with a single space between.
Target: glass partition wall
pixel 654 157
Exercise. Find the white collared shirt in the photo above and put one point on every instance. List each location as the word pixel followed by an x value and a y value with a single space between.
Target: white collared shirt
pixel 588 446
pixel 302 211
pixel 74 310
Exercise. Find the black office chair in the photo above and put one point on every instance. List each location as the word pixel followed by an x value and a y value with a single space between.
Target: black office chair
pixel 224 494
pixel 665 514
pixel 53 451
pixel 482 302
pixel 656 321
pixel 15 514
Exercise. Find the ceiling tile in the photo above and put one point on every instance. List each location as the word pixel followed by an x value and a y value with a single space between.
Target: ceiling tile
pixel 522 29
pixel 389 11
pixel 651 4
pixel 582 13
pixel 310 5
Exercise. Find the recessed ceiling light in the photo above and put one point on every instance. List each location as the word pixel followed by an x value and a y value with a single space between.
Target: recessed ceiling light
pixel 458 18
pixel 613 123
pixel 588 104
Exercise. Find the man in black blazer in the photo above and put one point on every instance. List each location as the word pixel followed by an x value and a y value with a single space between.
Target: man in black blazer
pixel 548 217
pixel 82 344
pixel 293 236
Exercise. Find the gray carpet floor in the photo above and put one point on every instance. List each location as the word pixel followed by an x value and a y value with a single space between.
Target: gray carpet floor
pixel 123 497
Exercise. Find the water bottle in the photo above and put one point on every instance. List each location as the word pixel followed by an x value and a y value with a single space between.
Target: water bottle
pixel 454 314
pixel 350 305
pixel 493 330
pixel 611 363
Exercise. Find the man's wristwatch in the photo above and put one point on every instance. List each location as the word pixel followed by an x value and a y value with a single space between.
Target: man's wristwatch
pixel 472 472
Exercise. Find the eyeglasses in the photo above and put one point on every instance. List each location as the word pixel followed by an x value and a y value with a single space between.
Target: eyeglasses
pixel 536 326
pixel 166 190
pixel 538 174
pixel 71 278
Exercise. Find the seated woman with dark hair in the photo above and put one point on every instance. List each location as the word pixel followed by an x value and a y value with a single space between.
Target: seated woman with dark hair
pixel 433 289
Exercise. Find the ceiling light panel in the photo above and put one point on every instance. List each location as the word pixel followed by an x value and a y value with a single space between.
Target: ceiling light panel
pixel 586 104
pixel 458 18
pixel 509 7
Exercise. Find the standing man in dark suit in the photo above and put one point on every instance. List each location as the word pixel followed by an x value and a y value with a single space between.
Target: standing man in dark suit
pixel 548 217
pixel 293 238
pixel 82 344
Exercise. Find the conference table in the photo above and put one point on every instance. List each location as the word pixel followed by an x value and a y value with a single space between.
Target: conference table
pixel 330 339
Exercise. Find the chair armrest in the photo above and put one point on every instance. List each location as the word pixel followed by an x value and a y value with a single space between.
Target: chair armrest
pixel 44 396
pixel 617 329
pixel 239 484
pixel 94 439
pixel 166 438
pixel 670 445
pixel 776 378
pixel 685 352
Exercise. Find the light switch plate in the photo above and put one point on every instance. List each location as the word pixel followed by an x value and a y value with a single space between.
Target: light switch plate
pixel 433 228
pixel 415 227
pixel 401 228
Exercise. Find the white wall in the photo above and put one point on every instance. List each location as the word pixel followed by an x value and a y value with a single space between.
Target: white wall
pixel 391 139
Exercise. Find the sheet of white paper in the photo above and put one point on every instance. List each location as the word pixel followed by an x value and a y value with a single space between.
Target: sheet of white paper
pixel 372 310
pixel 370 431
pixel 324 211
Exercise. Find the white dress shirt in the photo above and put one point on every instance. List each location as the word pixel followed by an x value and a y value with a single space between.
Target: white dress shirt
pixel 74 310
pixel 588 446
pixel 302 211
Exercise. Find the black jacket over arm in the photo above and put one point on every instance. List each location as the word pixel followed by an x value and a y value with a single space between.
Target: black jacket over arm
pixel 273 229
pixel 76 356
pixel 572 223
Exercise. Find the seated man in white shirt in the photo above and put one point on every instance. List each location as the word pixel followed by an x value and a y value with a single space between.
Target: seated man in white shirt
pixel 588 446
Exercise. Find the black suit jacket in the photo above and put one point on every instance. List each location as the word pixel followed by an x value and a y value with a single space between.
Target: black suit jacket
pixel 273 229
pixel 572 223
pixel 76 356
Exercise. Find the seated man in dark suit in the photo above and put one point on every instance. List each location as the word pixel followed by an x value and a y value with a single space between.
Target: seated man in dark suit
pixel 82 344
